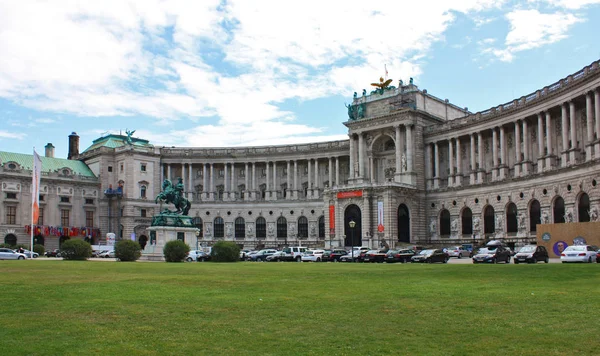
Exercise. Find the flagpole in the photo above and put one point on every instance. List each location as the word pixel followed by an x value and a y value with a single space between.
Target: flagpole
pixel 33 191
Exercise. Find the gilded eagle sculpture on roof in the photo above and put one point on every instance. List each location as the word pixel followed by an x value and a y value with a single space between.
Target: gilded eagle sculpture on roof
pixel 382 84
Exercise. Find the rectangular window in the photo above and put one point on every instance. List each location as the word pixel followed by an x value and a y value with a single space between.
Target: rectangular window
pixel 242 173
pixel 143 213
pixel 263 172
pixel 64 217
pixel 64 199
pixel 89 218
pixel 11 215
pixel 181 236
pixel 285 171
pixel 221 173
pixel 89 201
pixel 41 198
pixel 110 168
pixel 143 167
pixel 11 195
pixel 305 170
pixel 121 167
pixel 41 217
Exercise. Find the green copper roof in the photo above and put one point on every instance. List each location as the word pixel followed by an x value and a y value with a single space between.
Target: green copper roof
pixel 114 141
pixel 48 164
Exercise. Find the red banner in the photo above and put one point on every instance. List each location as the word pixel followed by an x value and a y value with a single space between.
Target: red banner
pixel 350 194
pixel 332 219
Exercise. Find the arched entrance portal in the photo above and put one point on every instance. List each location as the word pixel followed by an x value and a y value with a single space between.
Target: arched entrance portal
pixel 403 224
pixel 10 239
pixel 353 235
pixel 143 241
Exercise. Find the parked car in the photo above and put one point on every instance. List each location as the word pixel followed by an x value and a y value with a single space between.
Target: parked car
pixel 374 256
pixel 243 254
pixel 531 254
pixel 312 256
pixel 8 254
pixel 261 255
pixel 276 257
pixel 202 256
pixel 334 255
pixel 492 254
pixel 579 253
pixel 430 256
pixel 193 255
pixel 107 254
pixel 402 256
pixel 294 253
pixel 598 256
pixel 457 251
pixel 53 253
pixel 29 254
pixel 348 257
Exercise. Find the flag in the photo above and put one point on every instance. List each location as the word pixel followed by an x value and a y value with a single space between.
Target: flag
pixel 35 188
pixel 380 226
pixel 386 72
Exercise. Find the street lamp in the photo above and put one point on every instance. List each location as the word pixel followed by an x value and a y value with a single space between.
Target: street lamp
pixel 352 224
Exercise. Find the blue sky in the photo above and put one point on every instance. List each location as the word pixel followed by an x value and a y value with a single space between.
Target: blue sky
pixel 239 73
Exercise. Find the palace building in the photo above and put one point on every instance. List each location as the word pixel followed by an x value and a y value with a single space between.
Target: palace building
pixel 414 169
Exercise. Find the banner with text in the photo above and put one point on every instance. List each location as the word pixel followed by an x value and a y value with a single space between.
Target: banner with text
pixel 332 219
pixel 350 194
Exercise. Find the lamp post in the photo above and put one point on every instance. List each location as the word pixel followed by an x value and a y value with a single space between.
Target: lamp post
pixel 352 224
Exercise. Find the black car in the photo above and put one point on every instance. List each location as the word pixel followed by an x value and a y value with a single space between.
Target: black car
pixel 430 256
pixel 334 255
pixel 401 256
pixel 532 254
pixel 53 253
pixel 492 254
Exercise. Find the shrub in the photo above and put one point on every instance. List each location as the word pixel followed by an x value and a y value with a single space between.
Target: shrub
pixel 225 251
pixel 75 249
pixel 175 251
pixel 127 250
pixel 5 246
pixel 39 249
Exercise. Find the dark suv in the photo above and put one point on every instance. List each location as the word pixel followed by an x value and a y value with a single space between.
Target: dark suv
pixel 532 254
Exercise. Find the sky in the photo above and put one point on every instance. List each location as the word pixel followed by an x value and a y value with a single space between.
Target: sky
pixel 215 73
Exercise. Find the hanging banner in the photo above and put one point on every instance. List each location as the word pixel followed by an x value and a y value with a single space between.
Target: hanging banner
pixel 350 194
pixel 380 226
pixel 332 219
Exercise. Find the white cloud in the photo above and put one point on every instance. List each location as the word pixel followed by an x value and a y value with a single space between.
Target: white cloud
pixel 568 4
pixel 11 135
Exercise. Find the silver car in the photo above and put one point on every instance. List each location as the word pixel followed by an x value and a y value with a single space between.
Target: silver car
pixel 8 254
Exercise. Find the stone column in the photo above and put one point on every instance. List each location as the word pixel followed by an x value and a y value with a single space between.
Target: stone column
pixel 225 182
pixel 494 154
pixel 573 130
pixel 590 126
pixel 275 187
pixel 296 179
pixel 330 173
pixel 517 149
pixel 409 148
pixel 549 149
pixel 162 172
pixel 540 137
pixel 351 168
pixel 169 172
pixel 212 182
pixel 366 213
pixel 233 185
pixel 428 162
pixel 246 176
pixel 289 182
pixel 451 163
pixel 436 157
pixel 502 171
pixel 267 185
pixel 458 177
pixel 205 186
pixel 190 182
pixel 316 184
pixel 337 172
pixel 597 123
pixel 398 151
pixel 565 137
pixel 480 155
pixel 472 174
pixel 309 178
pixel 371 170
pixel 526 165
pixel 361 155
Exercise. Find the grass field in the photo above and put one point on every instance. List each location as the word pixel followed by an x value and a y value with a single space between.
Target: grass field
pixel 64 307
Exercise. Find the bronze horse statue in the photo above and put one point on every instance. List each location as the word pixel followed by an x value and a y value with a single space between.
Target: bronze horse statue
pixel 174 194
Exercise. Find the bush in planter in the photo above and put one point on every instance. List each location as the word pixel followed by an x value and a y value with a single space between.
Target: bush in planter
pixel 39 249
pixel 75 249
pixel 175 251
pixel 127 250
pixel 225 251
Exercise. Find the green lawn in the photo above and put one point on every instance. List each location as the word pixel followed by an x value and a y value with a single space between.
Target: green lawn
pixel 64 307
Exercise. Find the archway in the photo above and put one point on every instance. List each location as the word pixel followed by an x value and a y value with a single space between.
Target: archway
pixel 467 221
pixel 583 208
pixel 353 235
pixel 445 223
pixel 535 215
pixel 489 221
pixel 143 241
pixel 511 218
pixel 10 239
pixel 558 210
pixel 403 224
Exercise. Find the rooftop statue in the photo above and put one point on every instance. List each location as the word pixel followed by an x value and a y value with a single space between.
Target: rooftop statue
pixel 129 134
pixel 382 86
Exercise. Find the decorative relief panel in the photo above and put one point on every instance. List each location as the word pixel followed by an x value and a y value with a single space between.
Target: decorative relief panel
pixel 64 191
pixel 11 187
pixel 271 229
pixel 250 229
pixel 229 229
pixel 89 192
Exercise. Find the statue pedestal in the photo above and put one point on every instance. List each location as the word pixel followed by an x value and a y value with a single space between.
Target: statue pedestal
pixel 160 235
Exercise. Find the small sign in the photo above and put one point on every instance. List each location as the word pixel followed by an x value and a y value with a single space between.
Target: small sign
pixel 546 237
pixel 350 194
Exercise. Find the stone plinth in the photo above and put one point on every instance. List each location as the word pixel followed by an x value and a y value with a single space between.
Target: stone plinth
pixel 160 235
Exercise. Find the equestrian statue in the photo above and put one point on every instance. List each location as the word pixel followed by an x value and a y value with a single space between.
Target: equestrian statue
pixel 174 194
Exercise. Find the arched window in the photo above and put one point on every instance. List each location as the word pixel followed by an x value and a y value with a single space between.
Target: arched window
pixel 302 226
pixel 240 227
pixel 261 228
pixel 281 227
pixel 322 227
pixel 511 218
pixel 10 239
pixel 218 227
pixel 199 225
pixel 445 223
pixel 143 192
pixel 583 208
pixel 535 215
pixel 467 221
pixel 489 221
pixel 559 210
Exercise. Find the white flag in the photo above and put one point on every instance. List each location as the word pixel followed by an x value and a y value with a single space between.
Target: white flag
pixel 35 191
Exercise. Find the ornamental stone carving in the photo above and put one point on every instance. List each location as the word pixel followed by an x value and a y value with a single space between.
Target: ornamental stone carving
pixel 499 222
pixel 569 215
pixel 522 221
pixel 476 223
pixel 454 225
pixel 593 213
pixel 545 219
